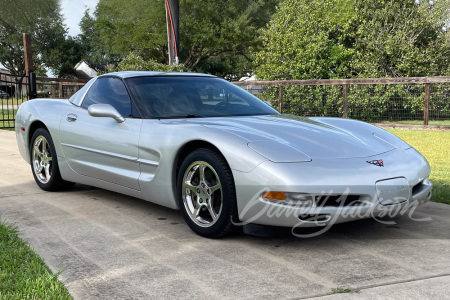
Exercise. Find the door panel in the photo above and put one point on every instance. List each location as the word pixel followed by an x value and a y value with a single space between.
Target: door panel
pixel 101 147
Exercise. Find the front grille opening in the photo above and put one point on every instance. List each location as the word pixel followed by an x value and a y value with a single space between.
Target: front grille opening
pixel 314 217
pixel 338 200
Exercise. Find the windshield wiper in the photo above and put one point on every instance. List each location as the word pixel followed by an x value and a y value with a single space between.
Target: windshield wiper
pixel 181 117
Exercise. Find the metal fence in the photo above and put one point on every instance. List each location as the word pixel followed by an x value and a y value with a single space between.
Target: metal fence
pixel 420 99
pixel 13 91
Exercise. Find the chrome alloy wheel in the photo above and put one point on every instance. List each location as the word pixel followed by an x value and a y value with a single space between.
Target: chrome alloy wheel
pixel 42 159
pixel 202 194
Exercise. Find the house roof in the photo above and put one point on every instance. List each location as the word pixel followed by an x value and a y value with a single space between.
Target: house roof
pixel 86 68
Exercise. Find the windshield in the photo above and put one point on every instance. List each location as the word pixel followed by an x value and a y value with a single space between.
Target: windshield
pixel 188 96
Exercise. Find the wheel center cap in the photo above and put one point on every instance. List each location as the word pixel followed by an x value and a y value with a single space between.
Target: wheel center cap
pixel 203 193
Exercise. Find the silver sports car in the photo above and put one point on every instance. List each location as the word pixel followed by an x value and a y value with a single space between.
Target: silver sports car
pixel 203 145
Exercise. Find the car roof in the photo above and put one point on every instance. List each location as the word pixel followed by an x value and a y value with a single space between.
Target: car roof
pixel 130 74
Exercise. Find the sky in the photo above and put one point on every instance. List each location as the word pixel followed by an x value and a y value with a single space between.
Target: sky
pixel 73 11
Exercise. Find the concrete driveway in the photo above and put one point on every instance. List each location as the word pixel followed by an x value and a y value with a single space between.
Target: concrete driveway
pixel 111 246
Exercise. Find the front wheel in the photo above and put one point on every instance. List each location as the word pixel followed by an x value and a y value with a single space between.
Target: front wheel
pixel 44 163
pixel 207 194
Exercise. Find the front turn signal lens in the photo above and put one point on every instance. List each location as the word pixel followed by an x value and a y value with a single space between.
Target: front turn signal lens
pixel 275 195
pixel 290 198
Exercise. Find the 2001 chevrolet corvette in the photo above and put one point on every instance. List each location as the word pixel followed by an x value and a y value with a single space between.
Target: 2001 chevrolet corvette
pixel 203 145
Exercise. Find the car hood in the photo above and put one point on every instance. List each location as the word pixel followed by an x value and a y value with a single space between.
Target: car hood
pixel 282 136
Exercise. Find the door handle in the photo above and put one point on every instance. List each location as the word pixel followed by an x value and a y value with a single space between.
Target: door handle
pixel 72 117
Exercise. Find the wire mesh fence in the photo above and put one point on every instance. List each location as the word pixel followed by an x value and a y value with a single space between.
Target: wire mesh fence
pixel 409 100
pixel 439 108
pixel 378 103
pixel 309 101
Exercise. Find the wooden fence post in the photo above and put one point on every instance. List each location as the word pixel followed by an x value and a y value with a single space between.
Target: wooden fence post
pixel 344 101
pixel 61 90
pixel 27 53
pixel 29 68
pixel 426 104
pixel 280 99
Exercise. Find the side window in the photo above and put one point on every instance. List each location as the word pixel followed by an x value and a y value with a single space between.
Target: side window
pixel 77 97
pixel 109 90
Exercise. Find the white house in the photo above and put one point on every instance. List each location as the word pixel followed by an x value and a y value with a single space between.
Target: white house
pixel 85 69
pixel 254 89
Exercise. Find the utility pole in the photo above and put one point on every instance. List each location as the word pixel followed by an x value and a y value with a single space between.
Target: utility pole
pixel 173 29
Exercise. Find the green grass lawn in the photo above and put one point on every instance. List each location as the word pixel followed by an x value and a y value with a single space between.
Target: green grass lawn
pixel 23 274
pixel 11 101
pixel 7 114
pixel 435 146
pixel 419 122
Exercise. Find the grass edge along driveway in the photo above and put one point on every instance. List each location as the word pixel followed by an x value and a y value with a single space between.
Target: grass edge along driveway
pixel 23 274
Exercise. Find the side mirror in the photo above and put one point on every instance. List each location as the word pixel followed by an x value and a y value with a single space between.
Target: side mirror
pixel 105 110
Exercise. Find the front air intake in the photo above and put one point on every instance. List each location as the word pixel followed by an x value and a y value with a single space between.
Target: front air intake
pixel 338 200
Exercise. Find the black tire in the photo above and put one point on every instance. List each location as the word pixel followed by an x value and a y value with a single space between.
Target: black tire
pixel 215 195
pixel 44 162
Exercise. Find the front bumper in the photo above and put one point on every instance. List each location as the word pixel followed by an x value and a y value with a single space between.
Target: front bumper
pixel 343 189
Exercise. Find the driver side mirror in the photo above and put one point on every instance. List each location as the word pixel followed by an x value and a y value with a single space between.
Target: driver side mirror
pixel 105 110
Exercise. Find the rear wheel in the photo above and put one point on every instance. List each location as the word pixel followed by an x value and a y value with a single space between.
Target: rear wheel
pixel 44 163
pixel 207 194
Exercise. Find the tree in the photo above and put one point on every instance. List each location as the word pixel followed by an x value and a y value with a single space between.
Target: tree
pixel 215 36
pixel 64 57
pixel 134 62
pixel 88 33
pixel 349 38
pixel 401 38
pixel 212 31
pixel 42 20
pixel 307 39
pixel 130 26
pixel 89 39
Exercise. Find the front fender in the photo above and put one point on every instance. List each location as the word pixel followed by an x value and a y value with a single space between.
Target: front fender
pixel 45 111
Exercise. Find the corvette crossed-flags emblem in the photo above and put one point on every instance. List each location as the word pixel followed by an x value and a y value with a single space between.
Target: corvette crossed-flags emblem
pixel 377 162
